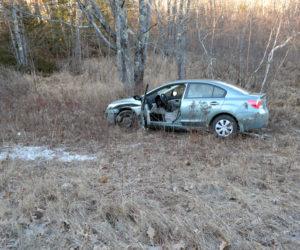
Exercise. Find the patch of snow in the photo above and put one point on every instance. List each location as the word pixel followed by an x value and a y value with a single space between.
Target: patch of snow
pixel 31 153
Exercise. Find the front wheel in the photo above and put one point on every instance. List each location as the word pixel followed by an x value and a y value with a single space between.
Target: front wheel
pixel 224 126
pixel 126 119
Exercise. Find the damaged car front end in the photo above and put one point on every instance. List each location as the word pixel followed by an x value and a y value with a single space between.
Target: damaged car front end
pixel 123 112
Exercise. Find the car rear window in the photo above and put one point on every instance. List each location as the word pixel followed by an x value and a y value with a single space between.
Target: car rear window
pixel 218 92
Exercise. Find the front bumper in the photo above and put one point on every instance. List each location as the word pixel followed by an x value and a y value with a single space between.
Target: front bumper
pixel 110 115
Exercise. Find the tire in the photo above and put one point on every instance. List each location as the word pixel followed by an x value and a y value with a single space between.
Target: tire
pixel 224 126
pixel 126 119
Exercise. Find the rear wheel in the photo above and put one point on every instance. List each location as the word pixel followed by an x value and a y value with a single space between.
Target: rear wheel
pixel 224 126
pixel 126 119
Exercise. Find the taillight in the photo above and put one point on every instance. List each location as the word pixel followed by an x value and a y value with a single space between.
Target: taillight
pixel 255 103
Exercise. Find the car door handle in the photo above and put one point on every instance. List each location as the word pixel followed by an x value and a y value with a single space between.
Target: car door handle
pixel 213 103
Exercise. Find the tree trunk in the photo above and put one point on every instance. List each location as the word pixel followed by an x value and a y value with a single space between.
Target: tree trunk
pixel 172 31
pixel 19 36
pixel 181 39
pixel 90 17
pixel 141 43
pixel 121 37
pixel 12 37
pixel 123 46
pixel 168 38
pixel 178 41
pixel 241 58
pixel 78 54
pixel 23 37
pixel 76 46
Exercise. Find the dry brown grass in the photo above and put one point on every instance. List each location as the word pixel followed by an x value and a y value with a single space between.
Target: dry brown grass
pixel 61 106
pixel 168 190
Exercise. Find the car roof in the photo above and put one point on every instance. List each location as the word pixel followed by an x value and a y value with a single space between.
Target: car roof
pixel 218 83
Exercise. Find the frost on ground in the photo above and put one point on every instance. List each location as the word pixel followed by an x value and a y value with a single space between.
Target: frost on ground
pixel 31 153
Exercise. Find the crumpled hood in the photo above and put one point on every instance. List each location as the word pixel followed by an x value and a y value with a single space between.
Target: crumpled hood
pixel 127 101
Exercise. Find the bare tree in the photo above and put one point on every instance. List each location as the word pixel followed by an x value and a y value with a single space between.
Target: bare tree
pixel 271 54
pixel 181 39
pixel 241 40
pixel 131 75
pixel 209 56
pixel 17 32
pixel 76 49
pixel 11 34
pixel 171 25
pixel 227 38
pixel 119 10
pixel 87 10
pixel 141 42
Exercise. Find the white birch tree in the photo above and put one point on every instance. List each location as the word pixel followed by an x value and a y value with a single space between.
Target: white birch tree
pixel 15 23
pixel 130 73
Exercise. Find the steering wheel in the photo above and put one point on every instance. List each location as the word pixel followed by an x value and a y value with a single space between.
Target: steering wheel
pixel 164 100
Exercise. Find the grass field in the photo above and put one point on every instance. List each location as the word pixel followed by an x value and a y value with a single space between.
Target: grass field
pixel 144 189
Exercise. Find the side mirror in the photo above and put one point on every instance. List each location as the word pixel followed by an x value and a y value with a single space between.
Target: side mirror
pixel 137 97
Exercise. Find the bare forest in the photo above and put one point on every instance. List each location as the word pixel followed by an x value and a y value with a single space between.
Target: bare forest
pixel 68 180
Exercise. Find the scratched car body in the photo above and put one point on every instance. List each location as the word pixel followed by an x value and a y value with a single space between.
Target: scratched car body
pixel 194 104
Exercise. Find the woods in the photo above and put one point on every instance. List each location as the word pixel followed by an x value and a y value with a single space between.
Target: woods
pixel 228 39
pixel 68 180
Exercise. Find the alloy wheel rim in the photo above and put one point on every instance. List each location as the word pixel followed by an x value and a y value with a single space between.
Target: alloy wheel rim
pixel 224 128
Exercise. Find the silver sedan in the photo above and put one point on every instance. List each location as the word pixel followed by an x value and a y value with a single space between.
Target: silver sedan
pixel 193 104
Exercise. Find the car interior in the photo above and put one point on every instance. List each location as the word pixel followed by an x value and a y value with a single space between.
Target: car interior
pixel 164 104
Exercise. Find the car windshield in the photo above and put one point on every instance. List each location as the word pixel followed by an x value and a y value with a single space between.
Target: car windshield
pixel 167 89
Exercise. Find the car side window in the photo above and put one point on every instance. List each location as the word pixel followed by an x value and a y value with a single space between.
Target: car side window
pixel 198 90
pixel 202 90
pixel 218 92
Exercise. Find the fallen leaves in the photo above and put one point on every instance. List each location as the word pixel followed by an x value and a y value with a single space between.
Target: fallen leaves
pixel 38 214
pixel 103 179
pixel 188 163
pixel 223 245
pixel 110 191
pixel 66 226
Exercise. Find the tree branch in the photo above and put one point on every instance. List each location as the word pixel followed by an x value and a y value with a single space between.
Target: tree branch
pixel 46 19
pixel 89 15
pixel 104 24
pixel 152 26
pixel 271 54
